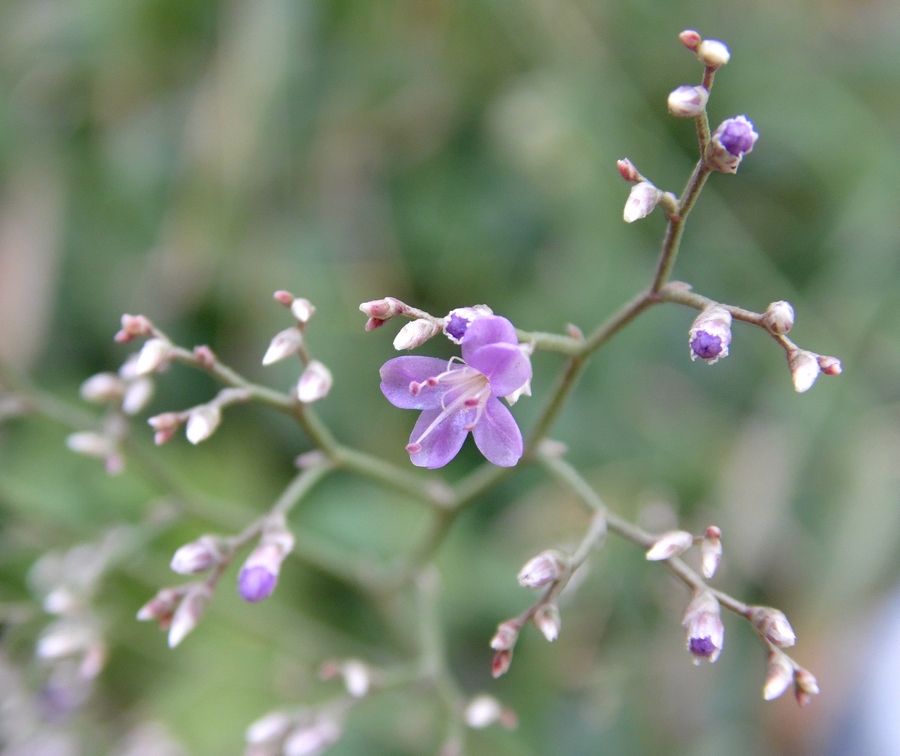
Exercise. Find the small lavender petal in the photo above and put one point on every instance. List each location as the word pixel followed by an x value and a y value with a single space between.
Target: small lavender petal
pixel 491 329
pixel 706 346
pixel 256 583
pixel 702 647
pixel 398 373
pixel 443 443
pixel 456 327
pixel 505 366
pixel 497 435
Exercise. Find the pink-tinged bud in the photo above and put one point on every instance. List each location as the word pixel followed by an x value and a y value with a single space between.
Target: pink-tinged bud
pixel 641 201
pixel 547 620
pixel 804 369
pixel 671 544
pixel 302 309
pixel 202 422
pixel 312 739
pixel 415 333
pixel 779 676
pixel 458 321
pixel 154 355
pixel 731 140
pixel 500 663
pixel 132 326
pixel 687 101
pixel 506 636
pixel 189 612
pixel 705 631
pixel 91 444
pixel 373 323
pixel 690 39
pixel 547 567
pixel 165 426
pixel 628 171
pixel 711 551
pixel 830 365
pixel 285 344
pixel 137 396
pixel 772 625
pixel 805 686
pixel 357 677
pixel 710 334
pixel 482 712
pixel 102 388
pixel 779 317
pixel 712 53
pixel 383 309
pixel 284 298
pixel 197 556
pixel 162 606
pixel 269 729
pixel 314 383
pixel 205 356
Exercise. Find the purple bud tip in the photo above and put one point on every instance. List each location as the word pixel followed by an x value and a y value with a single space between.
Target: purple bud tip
pixel 256 583
pixel 737 136
pixel 456 327
pixel 706 346
pixel 702 647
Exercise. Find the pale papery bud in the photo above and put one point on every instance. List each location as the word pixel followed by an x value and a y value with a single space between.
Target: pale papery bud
pixel 269 729
pixel 501 662
pixel 415 333
pixel 548 621
pixel 506 636
pixel 189 612
pixel 779 317
pixel 315 382
pixel 62 600
pixel 547 567
pixel 154 355
pixel 705 631
pixel 137 395
pixel 357 677
pixel 710 334
pixel 102 388
pixel 711 551
pixel 687 101
pixel 383 309
pixel 690 39
pixel 641 201
pixel 285 344
pixel 482 711
pixel 202 422
pixel 313 739
pixel 197 556
pixel 829 365
pixel 302 309
pixel 671 544
pixel 627 170
pixel 712 53
pixel 779 676
pixel 804 369
pixel 772 625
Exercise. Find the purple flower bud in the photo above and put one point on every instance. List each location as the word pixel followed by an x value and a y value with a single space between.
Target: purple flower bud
pixel 705 631
pixel 710 334
pixel 256 583
pixel 458 321
pixel 733 139
pixel 259 574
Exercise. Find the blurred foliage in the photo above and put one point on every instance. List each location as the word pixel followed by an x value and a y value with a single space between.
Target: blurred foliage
pixel 184 159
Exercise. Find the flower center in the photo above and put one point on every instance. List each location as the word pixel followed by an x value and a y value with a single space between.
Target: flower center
pixel 464 388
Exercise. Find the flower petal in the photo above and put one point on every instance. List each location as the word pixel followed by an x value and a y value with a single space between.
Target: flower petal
pixel 497 436
pixel 491 329
pixel 398 373
pixel 505 366
pixel 444 441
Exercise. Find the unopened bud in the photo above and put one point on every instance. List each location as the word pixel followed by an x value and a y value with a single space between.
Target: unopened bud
pixel 712 53
pixel 804 369
pixel 545 568
pixel 91 444
pixel 671 544
pixel 506 636
pixel 641 201
pixel 284 297
pixel 285 344
pixel 628 171
pixel 830 365
pixel 779 676
pixel 779 317
pixel 302 309
pixel 731 140
pixel 153 355
pixel 162 606
pixel 202 422
pixel 482 711
pixel 548 621
pixel 314 383
pixel 197 556
pixel 415 333
pixel 205 356
pixel 65 637
pixel 189 612
pixel 705 631
pixel 313 739
pixel 690 39
pixel 711 551
pixel 773 626
pixel 132 326
pixel 501 662
pixel 383 309
pixel 710 334
pixel 687 101
pixel 102 388
pixel 137 395
pixel 259 574
pixel 269 729
pixel 373 323
pixel 357 678
pixel 805 686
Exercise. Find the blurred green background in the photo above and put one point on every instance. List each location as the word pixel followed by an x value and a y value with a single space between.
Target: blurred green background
pixel 186 158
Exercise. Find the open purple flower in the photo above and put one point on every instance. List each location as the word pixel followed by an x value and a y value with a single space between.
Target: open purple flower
pixel 458 396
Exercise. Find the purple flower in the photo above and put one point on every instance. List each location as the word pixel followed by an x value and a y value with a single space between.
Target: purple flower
pixel 705 631
pixel 710 334
pixel 256 583
pixel 458 396
pixel 733 139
